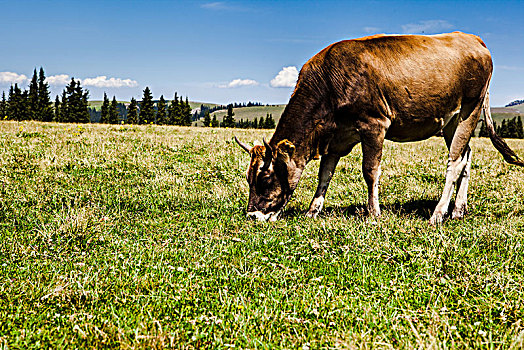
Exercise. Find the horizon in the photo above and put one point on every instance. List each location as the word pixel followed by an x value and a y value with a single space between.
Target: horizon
pixel 229 51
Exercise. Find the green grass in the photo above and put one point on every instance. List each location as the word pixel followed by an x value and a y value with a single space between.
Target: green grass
pixel 136 237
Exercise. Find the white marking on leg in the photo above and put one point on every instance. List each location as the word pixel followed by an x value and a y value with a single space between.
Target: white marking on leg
pixel 461 200
pixel 315 207
pixel 453 172
pixel 373 202
pixel 327 168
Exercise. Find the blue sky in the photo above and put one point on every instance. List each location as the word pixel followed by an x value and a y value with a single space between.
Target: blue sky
pixel 225 51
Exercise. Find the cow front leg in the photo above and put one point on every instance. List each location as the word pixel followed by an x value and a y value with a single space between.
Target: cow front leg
pixel 328 163
pixel 371 157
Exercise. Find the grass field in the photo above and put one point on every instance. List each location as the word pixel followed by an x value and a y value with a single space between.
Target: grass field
pixel 136 237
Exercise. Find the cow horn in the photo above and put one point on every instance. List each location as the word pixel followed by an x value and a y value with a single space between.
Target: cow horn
pixel 269 150
pixel 267 145
pixel 243 145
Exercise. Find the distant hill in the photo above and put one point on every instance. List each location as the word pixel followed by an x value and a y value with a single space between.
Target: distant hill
pixel 97 104
pixel 250 113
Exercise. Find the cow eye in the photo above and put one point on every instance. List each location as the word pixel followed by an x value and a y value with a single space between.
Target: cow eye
pixel 266 180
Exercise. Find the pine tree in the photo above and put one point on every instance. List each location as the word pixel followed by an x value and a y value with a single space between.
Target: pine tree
pixel 255 123
pixel 104 110
pixel 483 130
pixel 45 106
pixel 520 129
pixel 173 112
pixel 186 113
pixel 10 102
pixel 32 100
pixel 122 112
pixel 25 112
pixel 3 107
pixel 57 117
pixel 214 122
pixel 132 112
pixel 512 128
pixel 161 111
pixel 229 120
pixel 64 108
pixel 80 104
pixel 113 112
pixel 147 110
pixel 17 106
pixel 74 103
pixel 262 123
pixel 207 119
pixel 503 129
pixel 270 122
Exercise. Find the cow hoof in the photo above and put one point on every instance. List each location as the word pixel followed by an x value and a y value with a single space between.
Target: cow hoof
pixel 312 214
pixel 458 213
pixel 436 219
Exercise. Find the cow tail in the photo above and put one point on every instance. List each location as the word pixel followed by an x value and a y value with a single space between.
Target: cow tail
pixel 497 141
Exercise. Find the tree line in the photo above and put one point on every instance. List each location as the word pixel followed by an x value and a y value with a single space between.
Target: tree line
pixel 509 128
pixel 72 106
pixel 35 103
pixel 146 111
pixel 229 121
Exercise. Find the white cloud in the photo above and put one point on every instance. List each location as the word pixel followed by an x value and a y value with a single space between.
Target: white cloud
pixel 103 82
pixel 59 79
pixel 217 5
pixel 430 26
pixel 222 6
pixel 238 83
pixel 11 78
pixel 508 67
pixel 370 30
pixel 287 77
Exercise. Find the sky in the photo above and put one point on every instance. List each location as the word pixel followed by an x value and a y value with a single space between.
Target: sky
pixel 228 51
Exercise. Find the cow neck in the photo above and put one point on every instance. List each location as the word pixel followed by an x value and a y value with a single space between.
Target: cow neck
pixel 298 124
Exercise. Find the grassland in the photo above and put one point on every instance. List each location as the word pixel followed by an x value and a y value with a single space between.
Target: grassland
pixel 136 237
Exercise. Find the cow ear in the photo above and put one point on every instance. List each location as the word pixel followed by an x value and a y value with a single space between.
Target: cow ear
pixel 285 150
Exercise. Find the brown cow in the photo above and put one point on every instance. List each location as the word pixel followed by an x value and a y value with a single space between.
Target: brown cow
pixel 396 87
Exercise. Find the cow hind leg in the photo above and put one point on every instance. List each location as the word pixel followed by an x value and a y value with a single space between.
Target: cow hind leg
pixel 328 163
pixel 461 198
pixel 459 164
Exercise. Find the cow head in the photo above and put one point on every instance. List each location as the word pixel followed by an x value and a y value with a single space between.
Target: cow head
pixel 272 176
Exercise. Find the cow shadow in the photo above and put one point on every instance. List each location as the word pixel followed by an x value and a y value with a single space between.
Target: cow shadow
pixel 421 208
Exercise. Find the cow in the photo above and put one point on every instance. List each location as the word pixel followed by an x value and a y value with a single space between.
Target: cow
pixel 396 87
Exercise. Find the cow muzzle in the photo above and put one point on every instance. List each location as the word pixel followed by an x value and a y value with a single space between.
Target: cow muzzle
pixel 258 215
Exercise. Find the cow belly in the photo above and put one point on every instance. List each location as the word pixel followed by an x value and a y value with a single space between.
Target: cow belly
pixel 416 129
